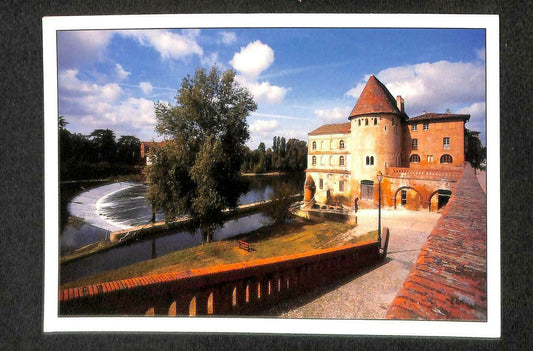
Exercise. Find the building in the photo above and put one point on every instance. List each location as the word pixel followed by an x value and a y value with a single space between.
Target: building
pixel 421 158
pixel 145 150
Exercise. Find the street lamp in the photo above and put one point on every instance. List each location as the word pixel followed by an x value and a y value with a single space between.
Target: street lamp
pixel 380 178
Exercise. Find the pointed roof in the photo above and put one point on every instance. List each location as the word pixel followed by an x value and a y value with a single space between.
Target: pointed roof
pixel 375 98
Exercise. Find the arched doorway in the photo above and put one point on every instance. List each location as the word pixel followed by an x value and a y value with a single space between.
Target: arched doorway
pixel 439 199
pixel 407 197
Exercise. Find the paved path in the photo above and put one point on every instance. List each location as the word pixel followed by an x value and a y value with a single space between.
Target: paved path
pixel 369 294
pixel 482 179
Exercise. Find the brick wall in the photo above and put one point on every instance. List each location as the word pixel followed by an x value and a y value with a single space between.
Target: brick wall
pixel 240 288
pixel 449 279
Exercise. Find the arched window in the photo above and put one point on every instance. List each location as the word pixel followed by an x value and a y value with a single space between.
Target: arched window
pixel 314 145
pixel 414 144
pixel 414 158
pixel 367 160
pixel 446 158
pixel 371 160
pixel 341 144
pixel 341 161
pixel 375 121
pixel 366 121
pixel 314 161
pixel 359 122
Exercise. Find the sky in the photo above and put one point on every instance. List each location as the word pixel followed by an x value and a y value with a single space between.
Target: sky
pixel 300 78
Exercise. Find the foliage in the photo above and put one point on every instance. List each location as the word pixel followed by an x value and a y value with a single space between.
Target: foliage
pixel 197 172
pixel 279 208
pixel 96 156
pixel 476 153
pixel 284 156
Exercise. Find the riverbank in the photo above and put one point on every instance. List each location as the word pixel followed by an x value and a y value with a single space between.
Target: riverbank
pixel 268 241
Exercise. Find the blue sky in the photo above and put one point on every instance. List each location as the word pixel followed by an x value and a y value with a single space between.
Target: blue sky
pixel 300 78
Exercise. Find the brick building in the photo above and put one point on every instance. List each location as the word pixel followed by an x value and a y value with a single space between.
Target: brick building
pixel 421 158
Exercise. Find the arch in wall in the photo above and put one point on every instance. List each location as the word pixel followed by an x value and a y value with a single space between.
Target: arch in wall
pixel 404 188
pixel 309 188
pixel 443 196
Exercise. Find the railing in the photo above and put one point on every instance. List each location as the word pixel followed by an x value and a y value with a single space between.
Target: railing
pixel 398 172
pixel 240 288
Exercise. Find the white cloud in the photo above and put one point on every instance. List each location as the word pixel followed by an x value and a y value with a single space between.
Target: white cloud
pixel 253 59
pixel 432 86
pixel 264 92
pixel 77 47
pixel 88 106
pixel 333 115
pixel 169 45
pixel 481 54
pixel 121 73
pixel 227 38
pixel 211 60
pixel 146 87
pixel 262 126
pixel 477 117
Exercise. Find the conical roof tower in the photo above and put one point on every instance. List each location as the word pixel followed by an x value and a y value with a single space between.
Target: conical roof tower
pixel 375 98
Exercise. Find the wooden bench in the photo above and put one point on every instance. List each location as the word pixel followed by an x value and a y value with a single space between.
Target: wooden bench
pixel 243 245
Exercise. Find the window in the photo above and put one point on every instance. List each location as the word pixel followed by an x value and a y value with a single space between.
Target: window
pixel 341 144
pixel 313 161
pixel 446 158
pixel 367 160
pixel 413 127
pixel 341 161
pixel 414 144
pixel 414 158
pixel 370 160
pixel 366 121
pixel 426 125
pixel 375 121
pixel 429 158
pixel 341 185
pixel 359 122
pixel 446 143
pixel 385 127
pixel 393 121
pixel 314 145
pixel 321 183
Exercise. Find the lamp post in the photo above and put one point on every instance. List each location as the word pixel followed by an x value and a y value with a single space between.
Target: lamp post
pixel 380 178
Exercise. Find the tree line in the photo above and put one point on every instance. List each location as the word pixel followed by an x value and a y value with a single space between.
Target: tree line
pixel 98 155
pixel 284 156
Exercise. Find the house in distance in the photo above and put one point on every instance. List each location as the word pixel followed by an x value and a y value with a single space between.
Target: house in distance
pixel 421 158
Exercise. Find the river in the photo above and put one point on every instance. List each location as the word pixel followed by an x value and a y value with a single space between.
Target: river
pixel 121 205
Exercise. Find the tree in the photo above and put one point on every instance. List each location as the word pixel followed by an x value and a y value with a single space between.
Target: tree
pixel 197 172
pixel 105 145
pixel 281 200
pixel 129 149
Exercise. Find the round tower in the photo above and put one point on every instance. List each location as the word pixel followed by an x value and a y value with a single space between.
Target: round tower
pixel 376 135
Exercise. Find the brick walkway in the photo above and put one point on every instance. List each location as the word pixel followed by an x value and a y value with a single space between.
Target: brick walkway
pixel 449 280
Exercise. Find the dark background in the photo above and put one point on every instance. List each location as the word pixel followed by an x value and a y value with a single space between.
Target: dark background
pixel 22 168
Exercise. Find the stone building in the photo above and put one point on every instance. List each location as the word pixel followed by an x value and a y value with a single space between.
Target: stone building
pixel 421 158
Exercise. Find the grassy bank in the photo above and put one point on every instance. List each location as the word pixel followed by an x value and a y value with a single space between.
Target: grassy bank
pixel 270 241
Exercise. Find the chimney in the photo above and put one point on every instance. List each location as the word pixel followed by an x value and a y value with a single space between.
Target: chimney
pixel 400 103
pixel 448 111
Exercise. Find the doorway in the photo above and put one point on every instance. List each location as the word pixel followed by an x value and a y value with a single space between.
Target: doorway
pixel 367 190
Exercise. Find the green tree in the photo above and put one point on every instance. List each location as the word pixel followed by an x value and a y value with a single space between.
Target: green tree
pixel 105 144
pixel 197 172
pixel 129 149
pixel 281 200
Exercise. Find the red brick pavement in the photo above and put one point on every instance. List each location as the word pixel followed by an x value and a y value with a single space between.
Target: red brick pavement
pixel 449 279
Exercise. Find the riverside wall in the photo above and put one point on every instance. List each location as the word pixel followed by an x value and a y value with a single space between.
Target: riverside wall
pixel 239 288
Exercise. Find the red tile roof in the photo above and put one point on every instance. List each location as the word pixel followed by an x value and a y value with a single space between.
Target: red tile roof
pixel 439 116
pixel 338 128
pixel 375 98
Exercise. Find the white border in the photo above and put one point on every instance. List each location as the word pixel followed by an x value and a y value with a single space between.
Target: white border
pixel 52 323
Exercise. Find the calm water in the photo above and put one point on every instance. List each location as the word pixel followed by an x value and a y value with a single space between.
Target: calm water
pixel 114 209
